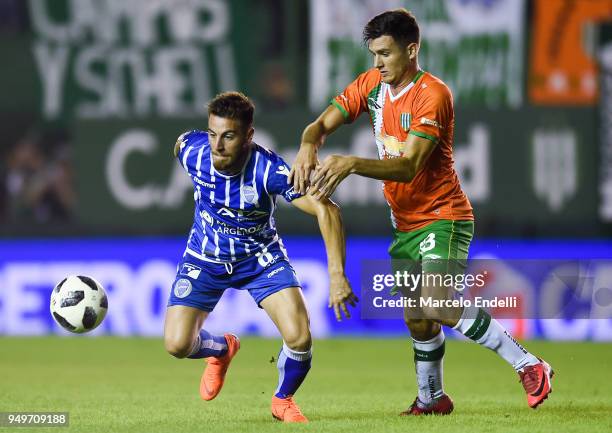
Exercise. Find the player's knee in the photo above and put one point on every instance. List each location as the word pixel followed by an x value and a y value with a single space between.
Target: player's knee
pixel 437 314
pixel 299 341
pixel 422 329
pixel 179 348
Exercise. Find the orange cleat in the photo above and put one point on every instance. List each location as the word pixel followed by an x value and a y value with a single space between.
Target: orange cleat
pixel 286 410
pixel 440 406
pixel 536 381
pixel 214 373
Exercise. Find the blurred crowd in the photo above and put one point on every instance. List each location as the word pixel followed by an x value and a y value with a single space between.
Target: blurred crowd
pixel 37 182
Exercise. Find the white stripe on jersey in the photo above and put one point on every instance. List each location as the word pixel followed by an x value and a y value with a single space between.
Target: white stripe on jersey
pixel 283 249
pixel 204 242
pixel 240 191
pixel 246 248
pixel 199 163
pixel 272 208
pixel 208 259
pixel 212 179
pixel 265 180
pixel 255 178
pixel 185 155
pixel 255 170
pixel 216 245
pixel 199 173
pixel 227 191
pixel 232 251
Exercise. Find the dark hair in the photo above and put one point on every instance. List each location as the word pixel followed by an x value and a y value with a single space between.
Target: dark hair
pixel 400 24
pixel 233 105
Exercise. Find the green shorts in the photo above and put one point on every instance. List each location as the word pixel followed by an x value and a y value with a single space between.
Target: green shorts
pixel 440 248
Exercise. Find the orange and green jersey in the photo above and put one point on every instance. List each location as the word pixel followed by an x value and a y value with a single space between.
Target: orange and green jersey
pixel 423 108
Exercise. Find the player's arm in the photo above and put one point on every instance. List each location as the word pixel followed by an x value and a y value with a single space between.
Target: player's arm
pixel 313 138
pixel 177 147
pixel 336 168
pixel 330 223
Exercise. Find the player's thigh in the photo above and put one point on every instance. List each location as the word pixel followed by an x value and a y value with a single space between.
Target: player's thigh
pixel 288 311
pixel 181 326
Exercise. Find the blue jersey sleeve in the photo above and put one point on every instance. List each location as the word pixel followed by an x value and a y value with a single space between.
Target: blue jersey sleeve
pixel 277 179
pixel 187 141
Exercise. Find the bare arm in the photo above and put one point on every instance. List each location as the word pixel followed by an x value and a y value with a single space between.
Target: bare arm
pixel 313 137
pixel 336 168
pixel 330 223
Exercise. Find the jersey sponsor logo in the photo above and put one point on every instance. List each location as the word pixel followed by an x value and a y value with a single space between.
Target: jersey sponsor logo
pixel 203 183
pixel 190 270
pixel 240 215
pixel 426 121
pixel 283 170
pixel 249 194
pixel 182 288
pixel 226 212
pixel 226 229
pixel 276 271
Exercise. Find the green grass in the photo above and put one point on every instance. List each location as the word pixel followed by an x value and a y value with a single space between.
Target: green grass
pixel 132 385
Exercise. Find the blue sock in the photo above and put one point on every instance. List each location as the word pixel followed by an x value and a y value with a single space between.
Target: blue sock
pixel 292 369
pixel 207 345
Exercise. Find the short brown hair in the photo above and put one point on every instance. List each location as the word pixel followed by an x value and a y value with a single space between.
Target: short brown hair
pixel 233 105
pixel 400 24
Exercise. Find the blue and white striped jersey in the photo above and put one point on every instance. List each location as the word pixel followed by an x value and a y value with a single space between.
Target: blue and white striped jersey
pixel 233 214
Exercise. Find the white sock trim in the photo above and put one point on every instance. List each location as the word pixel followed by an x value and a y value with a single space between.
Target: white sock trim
pixel 467 319
pixel 295 355
pixel 196 345
pixel 431 344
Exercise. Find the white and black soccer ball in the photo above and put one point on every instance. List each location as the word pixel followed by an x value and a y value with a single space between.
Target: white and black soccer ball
pixel 78 303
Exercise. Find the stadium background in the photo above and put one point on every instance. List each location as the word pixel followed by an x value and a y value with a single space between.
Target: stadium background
pixel 94 95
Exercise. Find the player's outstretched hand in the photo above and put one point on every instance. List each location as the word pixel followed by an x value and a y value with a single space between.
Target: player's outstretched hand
pixel 340 294
pixel 303 166
pixel 335 169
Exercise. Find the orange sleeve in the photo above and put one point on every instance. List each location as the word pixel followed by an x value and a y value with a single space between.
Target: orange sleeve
pixel 353 101
pixel 434 112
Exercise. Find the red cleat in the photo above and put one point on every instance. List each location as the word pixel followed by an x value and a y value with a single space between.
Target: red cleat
pixel 214 373
pixel 286 410
pixel 441 406
pixel 536 381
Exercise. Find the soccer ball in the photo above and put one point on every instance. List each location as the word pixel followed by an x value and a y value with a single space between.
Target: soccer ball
pixel 78 303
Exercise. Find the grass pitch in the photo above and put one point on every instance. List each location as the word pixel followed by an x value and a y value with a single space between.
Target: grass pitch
pixel 132 385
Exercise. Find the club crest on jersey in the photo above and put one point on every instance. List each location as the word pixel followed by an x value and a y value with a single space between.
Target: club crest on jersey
pixel 405 121
pixel 190 270
pixel 249 194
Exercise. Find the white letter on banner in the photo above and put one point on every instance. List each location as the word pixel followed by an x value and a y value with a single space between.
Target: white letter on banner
pixel 51 64
pixel 127 195
pixel 18 301
pixel 152 276
pixel 118 280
